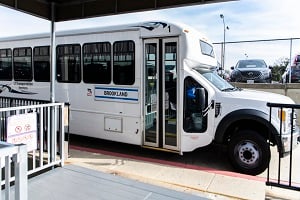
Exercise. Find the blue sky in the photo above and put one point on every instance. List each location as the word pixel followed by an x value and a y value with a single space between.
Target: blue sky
pixel 247 20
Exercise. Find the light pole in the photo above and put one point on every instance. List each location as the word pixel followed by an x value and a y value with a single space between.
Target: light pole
pixel 224 40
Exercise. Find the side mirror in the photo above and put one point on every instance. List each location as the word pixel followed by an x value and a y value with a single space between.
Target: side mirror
pixel 232 67
pixel 270 67
pixel 201 97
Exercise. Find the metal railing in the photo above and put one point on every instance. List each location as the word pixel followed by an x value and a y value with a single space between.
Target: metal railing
pixel 285 177
pixel 6 102
pixel 38 124
pixel 18 155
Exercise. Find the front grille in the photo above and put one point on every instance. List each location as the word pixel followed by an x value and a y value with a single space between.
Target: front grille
pixel 252 74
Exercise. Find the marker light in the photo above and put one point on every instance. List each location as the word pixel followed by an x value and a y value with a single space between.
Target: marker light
pixel 282 114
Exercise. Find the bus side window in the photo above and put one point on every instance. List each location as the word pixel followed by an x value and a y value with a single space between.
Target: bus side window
pixel 41 63
pixel 124 63
pixel 22 63
pixel 5 64
pixel 97 63
pixel 68 63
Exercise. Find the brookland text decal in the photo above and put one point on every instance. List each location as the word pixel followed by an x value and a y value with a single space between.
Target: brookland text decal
pixel 117 94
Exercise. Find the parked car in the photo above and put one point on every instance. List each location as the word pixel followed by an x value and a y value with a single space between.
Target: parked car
pixel 296 60
pixel 251 71
pixel 295 74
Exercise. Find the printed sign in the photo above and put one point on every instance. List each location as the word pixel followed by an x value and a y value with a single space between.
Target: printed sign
pixel 117 94
pixel 22 129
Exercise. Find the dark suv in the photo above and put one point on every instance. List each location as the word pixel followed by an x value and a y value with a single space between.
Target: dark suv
pixel 251 71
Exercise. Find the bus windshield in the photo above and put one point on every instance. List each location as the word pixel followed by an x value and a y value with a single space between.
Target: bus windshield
pixel 216 80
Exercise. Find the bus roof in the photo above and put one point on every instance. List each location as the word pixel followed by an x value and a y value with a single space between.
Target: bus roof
pixel 150 25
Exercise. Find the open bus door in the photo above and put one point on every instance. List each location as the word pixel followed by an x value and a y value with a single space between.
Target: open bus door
pixel 160 93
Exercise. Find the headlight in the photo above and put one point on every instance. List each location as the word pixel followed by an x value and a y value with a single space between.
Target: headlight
pixel 265 72
pixel 236 73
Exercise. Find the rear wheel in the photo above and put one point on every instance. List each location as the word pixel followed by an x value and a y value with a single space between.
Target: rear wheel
pixel 249 152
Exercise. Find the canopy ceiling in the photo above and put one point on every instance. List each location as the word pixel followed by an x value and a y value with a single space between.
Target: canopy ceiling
pixel 79 9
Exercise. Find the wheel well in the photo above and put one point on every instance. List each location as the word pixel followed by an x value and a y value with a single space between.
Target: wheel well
pixel 251 124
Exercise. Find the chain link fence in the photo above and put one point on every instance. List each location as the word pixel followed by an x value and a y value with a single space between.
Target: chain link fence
pixel 275 52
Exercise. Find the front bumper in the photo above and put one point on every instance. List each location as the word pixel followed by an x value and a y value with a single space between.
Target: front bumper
pixel 290 141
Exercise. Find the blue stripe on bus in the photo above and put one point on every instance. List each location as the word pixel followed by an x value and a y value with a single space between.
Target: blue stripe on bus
pixel 122 89
pixel 106 97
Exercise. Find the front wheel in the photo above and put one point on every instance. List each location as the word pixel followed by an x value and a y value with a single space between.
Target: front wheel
pixel 249 152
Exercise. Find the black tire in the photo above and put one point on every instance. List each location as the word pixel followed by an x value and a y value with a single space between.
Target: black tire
pixel 249 152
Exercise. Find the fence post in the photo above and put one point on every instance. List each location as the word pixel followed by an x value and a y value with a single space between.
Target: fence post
pixel 21 182
pixel 291 49
pixel 62 134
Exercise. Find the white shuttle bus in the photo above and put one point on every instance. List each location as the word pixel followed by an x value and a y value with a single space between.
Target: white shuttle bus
pixel 152 84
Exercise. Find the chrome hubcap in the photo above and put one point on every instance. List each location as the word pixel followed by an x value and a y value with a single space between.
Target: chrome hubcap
pixel 248 153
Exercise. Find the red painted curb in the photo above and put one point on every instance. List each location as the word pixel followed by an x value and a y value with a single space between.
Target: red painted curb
pixel 164 162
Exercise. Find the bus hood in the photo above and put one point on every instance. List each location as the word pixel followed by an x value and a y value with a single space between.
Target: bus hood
pixel 254 95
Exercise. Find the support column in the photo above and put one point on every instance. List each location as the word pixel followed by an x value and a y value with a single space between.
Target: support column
pixel 53 55
pixel 52 87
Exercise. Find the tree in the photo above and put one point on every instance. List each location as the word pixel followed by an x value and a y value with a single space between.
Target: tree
pixel 279 68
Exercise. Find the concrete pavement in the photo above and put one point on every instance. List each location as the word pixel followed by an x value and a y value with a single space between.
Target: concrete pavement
pixel 212 184
pixel 73 182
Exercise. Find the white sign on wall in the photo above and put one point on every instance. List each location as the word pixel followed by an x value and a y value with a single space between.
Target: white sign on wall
pixel 22 129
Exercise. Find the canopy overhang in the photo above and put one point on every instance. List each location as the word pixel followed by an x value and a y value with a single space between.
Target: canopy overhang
pixel 79 9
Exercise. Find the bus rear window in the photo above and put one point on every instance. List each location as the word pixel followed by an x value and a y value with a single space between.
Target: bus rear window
pixel 207 49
